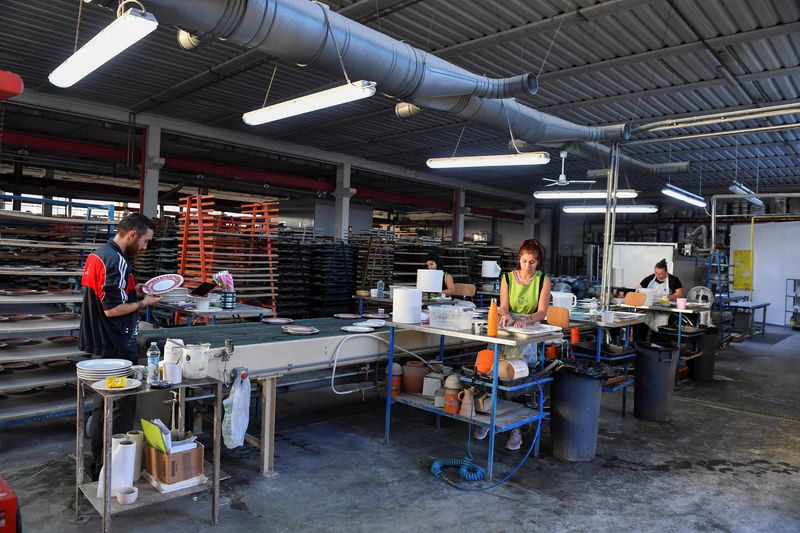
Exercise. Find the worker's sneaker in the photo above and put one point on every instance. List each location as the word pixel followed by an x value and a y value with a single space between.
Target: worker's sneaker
pixel 514 440
pixel 480 433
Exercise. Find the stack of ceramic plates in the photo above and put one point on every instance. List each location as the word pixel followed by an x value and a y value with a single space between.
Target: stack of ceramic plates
pixel 98 369
pixel 180 294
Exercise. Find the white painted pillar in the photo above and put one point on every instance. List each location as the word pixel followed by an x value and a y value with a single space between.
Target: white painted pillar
pixel 152 166
pixel 341 208
pixel 530 221
pixel 459 208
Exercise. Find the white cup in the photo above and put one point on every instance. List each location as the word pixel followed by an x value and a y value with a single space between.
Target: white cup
pixel 172 372
pixel 373 293
pixel 201 304
pixel 681 303
pixel 381 310
pixel 608 317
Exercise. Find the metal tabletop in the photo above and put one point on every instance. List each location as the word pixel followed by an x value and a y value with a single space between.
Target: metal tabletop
pixel 505 338
pixel 749 305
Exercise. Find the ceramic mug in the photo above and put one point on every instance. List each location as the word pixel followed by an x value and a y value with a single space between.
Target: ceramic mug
pixel 681 303
pixel 172 372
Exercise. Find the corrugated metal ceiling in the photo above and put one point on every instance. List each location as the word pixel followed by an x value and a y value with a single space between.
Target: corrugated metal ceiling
pixel 606 62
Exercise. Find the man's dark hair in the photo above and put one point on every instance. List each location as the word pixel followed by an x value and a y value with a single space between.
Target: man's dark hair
pixel 135 221
pixel 662 264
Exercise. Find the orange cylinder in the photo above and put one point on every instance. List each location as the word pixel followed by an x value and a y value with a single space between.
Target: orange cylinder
pixel 493 320
pixel 575 335
pixel 396 380
pixel 452 404
pixel 484 362
pixel 551 352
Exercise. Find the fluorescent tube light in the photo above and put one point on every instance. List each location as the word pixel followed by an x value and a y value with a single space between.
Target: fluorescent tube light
pixel 740 188
pixel 633 208
pixel 580 195
pixel 348 92
pixel 683 196
pixel 125 31
pixel 504 160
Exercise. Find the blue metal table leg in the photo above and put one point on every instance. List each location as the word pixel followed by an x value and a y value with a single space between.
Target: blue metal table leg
pixel 148 317
pixel 361 306
pixel 493 414
pixel 390 364
pixel 481 299
pixel 599 343
pixel 441 349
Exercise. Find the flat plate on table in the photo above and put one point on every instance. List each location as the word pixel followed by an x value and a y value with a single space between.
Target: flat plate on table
pixel 129 384
pixel 61 316
pixel 532 329
pixel 104 364
pixel 162 284
pixel 300 330
pixel 277 320
pixel 347 316
pixel 357 329
pixel 375 315
pixel 372 323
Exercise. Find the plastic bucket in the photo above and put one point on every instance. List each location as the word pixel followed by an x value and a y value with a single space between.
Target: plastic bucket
pixel 703 367
pixel 574 416
pixel 654 382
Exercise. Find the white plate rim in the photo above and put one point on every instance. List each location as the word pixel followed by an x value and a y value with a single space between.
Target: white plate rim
pixel 101 385
pixel 100 364
pixel 357 329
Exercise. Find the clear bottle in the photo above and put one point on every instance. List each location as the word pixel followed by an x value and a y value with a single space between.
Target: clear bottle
pixel 153 355
pixel 381 287
pixel 593 308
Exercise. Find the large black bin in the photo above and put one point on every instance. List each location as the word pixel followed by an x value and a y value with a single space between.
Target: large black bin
pixel 703 367
pixel 654 381
pixel 574 416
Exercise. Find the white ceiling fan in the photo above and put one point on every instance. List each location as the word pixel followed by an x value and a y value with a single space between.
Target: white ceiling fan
pixel 562 178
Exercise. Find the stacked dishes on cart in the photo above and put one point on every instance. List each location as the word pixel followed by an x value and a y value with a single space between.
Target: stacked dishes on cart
pixel 99 369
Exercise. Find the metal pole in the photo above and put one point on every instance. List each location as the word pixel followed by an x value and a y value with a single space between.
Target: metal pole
pixel 217 445
pixel 389 368
pixel 108 419
pixel 79 442
pixel 615 156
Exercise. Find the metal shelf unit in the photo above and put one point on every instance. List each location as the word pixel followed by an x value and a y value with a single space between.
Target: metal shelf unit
pixel 792 310
pixel 718 279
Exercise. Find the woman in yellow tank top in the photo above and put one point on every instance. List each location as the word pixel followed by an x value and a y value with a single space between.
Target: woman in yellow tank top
pixel 524 298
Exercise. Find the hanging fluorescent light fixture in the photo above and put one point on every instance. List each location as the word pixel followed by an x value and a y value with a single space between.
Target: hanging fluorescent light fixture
pixel 683 195
pixel 582 195
pixel 128 28
pixel 633 208
pixel 503 160
pixel 739 188
pixel 349 92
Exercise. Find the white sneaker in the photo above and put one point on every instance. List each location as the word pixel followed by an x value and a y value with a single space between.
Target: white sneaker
pixel 514 440
pixel 480 433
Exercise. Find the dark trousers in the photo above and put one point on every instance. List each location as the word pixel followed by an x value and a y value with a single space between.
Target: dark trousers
pixel 124 412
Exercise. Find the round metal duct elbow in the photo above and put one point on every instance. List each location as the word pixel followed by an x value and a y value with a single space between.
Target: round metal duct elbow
pixel 496 88
pixel 187 41
pixel 405 110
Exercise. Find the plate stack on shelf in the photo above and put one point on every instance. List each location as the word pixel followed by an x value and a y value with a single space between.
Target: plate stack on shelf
pixel 96 369
pixel 294 272
pixel 375 257
pixel 333 281
pixel 161 256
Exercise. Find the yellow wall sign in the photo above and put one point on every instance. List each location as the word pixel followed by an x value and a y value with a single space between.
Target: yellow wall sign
pixel 742 276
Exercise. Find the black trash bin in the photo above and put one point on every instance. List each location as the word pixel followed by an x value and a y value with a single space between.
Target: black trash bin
pixel 703 367
pixel 574 416
pixel 654 381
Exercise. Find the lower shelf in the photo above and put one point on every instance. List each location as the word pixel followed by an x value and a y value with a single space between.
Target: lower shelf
pixel 508 415
pixel 37 406
pixel 148 494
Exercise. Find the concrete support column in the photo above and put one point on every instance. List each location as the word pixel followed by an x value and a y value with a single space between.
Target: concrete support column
pixel 459 208
pixel 530 221
pixel 152 166
pixel 341 207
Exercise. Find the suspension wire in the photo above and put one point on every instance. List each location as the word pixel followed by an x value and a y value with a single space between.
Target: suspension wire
pixel 653 75
pixel 508 121
pixel 378 15
pixel 269 86
pixel 335 45
pixel 430 28
pixel 552 42
pixel 459 139
pixel 78 26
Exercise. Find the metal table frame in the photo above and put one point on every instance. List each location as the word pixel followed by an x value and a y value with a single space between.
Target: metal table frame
pixel 108 408
pixel 239 311
pixel 751 308
pixel 496 342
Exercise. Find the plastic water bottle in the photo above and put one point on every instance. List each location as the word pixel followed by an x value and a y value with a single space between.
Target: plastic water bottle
pixel 380 289
pixel 593 308
pixel 153 355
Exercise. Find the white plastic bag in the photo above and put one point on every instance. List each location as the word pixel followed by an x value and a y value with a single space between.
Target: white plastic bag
pixel 237 413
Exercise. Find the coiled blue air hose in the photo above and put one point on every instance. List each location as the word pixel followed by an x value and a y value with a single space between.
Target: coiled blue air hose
pixel 468 470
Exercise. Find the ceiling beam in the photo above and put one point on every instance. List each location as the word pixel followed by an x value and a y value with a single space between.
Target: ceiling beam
pixel 192 129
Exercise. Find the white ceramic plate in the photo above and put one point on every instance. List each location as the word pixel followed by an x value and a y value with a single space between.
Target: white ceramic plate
pixel 162 284
pixel 377 316
pixel 357 329
pixel 300 330
pixel 348 316
pixel 129 384
pixel 372 323
pixel 104 364
pixel 277 320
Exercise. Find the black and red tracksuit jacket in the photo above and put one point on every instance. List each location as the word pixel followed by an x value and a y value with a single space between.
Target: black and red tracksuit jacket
pixel 107 282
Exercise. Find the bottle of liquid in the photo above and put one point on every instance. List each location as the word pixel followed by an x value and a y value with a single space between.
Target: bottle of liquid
pixel 381 287
pixel 593 308
pixel 493 320
pixel 153 355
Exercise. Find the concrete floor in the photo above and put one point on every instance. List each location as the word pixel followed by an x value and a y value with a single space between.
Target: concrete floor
pixel 728 461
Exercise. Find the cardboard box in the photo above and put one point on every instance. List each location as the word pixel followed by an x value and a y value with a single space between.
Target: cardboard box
pixel 174 467
pixel 431 383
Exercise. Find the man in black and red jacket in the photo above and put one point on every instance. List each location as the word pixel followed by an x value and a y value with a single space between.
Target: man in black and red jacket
pixel 110 315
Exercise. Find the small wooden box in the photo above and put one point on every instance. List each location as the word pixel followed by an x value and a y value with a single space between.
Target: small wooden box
pixel 174 467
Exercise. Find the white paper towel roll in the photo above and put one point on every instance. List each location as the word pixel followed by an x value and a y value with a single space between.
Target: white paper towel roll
pixel 407 306
pixel 490 269
pixel 122 464
pixel 430 280
pixel 138 438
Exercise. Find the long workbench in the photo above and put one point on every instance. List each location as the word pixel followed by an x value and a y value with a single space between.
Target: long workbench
pixel 268 353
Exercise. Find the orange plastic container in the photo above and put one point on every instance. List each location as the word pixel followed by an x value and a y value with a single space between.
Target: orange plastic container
pixel 484 362
pixel 452 404
pixel 493 320
pixel 551 352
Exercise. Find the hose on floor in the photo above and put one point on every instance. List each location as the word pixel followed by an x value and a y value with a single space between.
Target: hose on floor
pixel 469 471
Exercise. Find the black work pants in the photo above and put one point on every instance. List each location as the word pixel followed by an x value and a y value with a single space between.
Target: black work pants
pixel 124 412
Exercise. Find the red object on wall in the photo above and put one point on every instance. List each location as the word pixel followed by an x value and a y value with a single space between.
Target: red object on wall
pixel 10 84
pixel 8 508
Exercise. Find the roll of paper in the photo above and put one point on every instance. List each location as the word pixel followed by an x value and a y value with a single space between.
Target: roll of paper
pixel 123 459
pixel 490 269
pixel 429 280
pixel 138 438
pixel 407 308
